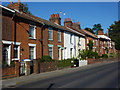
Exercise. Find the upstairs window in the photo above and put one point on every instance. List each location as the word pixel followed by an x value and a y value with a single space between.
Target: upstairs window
pixel 31 31
pixel 59 36
pixel 50 34
pixel 70 38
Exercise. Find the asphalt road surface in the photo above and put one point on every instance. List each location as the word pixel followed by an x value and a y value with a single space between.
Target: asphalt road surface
pixel 101 76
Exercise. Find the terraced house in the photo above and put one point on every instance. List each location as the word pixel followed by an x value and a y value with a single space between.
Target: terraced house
pixel 26 38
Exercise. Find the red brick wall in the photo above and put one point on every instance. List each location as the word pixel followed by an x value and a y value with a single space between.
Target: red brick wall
pixel 8 72
pixel 54 42
pixel 48 66
pixel 7 28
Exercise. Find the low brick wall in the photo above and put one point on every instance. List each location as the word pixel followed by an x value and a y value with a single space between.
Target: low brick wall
pixel 8 72
pixel 90 60
pixel 12 71
pixel 48 66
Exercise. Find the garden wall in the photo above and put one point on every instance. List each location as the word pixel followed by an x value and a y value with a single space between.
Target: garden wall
pixel 48 66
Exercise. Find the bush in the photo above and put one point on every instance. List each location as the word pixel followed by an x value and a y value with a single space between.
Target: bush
pixel 104 56
pixel 65 63
pixel 45 59
pixel 95 54
pixel 89 54
pixel 111 55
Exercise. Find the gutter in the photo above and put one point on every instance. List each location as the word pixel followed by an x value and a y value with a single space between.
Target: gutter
pixel 7 8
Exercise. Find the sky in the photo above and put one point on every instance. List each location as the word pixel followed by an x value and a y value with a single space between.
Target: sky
pixel 87 13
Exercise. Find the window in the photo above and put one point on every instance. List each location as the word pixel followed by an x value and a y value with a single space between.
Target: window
pixel 59 53
pixel 15 52
pixel 59 35
pixel 87 40
pixel 6 54
pixel 31 52
pixel 71 52
pixel 31 31
pixel 50 34
pixel 50 50
pixel 70 38
pixel 93 42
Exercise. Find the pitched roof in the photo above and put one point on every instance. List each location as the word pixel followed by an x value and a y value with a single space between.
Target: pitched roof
pixel 89 33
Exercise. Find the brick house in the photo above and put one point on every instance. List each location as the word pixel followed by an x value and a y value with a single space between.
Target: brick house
pixel 105 44
pixel 90 36
pixel 26 38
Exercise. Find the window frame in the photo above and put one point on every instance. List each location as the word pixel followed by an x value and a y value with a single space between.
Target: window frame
pixel 18 53
pixel 71 39
pixel 34 46
pixel 50 29
pixel 50 45
pixel 59 33
pixel 34 37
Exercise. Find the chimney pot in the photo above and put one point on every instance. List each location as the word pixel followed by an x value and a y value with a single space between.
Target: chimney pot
pixel 55 15
pixel 51 16
pixel 11 2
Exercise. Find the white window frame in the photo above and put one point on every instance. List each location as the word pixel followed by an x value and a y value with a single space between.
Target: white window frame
pixel 18 53
pixel 50 45
pixel 59 46
pixel 33 45
pixel 50 29
pixel 71 38
pixel 59 32
pixel 9 51
pixel 93 42
pixel 17 44
pixel 34 37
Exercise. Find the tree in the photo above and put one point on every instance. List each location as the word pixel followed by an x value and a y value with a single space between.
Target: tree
pixel 25 9
pixel 90 30
pixel 114 33
pixel 90 44
pixel 97 27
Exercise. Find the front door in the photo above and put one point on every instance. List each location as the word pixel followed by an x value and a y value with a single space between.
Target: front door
pixel 22 68
pixel 31 67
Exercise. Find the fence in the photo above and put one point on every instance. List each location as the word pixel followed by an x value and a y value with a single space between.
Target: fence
pixel 82 63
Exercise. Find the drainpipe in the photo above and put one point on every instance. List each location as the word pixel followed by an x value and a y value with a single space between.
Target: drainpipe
pixel 42 28
pixel 13 18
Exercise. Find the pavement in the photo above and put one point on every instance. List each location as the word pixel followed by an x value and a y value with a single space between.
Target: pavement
pixel 7 83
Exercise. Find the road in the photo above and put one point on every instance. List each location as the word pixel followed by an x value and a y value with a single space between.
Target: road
pixel 101 76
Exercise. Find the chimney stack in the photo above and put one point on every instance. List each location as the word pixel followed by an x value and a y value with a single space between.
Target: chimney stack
pixel 100 32
pixel 55 18
pixel 18 6
pixel 76 25
pixel 67 22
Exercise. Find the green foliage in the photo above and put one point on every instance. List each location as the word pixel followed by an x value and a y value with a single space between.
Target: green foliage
pixel 104 56
pixel 26 10
pixel 90 44
pixel 65 63
pixel 114 33
pixel 95 54
pixel 45 59
pixel 106 48
pixel 97 27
